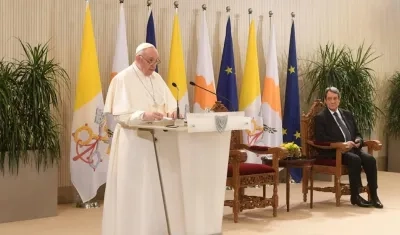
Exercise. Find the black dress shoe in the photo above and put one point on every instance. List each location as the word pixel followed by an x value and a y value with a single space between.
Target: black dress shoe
pixel 359 201
pixel 376 203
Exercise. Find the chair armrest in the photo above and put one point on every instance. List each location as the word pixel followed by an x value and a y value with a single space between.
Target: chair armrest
pixel 374 145
pixel 280 152
pixel 237 156
pixel 342 147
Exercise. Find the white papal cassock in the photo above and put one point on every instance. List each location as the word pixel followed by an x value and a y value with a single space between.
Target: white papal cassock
pixel 133 200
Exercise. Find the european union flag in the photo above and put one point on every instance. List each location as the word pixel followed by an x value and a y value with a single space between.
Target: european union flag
pixel 150 32
pixel 227 78
pixel 291 115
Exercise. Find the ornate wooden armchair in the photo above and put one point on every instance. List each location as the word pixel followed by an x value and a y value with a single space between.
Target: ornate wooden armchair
pixel 241 175
pixel 327 166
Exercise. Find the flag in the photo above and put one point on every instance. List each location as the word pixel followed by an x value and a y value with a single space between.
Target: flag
pixel 250 95
pixel 291 114
pixel 271 98
pixel 88 159
pixel 176 71
pixel 151 32
pixel 120 62
pixel 226 89
pixel 204 100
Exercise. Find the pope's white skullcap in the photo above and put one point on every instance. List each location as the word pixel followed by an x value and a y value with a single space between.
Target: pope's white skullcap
pixel 143 46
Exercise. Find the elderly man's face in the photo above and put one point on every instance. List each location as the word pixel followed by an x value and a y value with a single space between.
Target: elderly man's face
pixel 148 61
pixel 332 100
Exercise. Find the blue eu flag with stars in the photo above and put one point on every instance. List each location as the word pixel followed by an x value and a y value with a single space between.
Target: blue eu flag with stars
pixel 150 32
pixel 226 88
pixel 291 115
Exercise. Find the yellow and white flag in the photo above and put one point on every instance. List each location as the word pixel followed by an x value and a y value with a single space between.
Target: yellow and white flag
pixel 176 70
pixel 250 95
pixel 120 62
pixel 271 97
pixel 88 158
pixel 204 100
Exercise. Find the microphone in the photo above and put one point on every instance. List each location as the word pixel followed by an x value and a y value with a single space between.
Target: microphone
pixel 194 84
pixel 177 102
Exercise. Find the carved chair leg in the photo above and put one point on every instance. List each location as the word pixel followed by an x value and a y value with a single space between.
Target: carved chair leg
pixel 264 191
pixel 338 190
pixel 311 173
pixel 275 199
pixel 306 176
pixel 236 203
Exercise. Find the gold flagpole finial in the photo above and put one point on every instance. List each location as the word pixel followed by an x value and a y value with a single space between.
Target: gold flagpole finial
pixel 176 4
pixel 149 3
pixel 204 6
pixel 228 9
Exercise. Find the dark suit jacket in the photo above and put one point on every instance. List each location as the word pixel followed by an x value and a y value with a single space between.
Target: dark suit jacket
pixel 327 130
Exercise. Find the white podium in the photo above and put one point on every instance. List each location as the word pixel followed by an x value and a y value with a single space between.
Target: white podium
pixel 192 162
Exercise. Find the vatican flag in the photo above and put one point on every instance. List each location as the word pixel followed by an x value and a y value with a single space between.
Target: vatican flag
pixel 250 95
pixel 271 98
pixel 88 158
pixel 177 71
pixel 204 100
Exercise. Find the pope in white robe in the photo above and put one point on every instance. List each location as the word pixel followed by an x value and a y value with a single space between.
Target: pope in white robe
pixel 133 201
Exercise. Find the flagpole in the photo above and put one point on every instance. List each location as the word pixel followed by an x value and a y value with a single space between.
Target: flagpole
pixel 270 20
pixel 149 6
pixel 78 200
pixel 250 12
pixel 176 5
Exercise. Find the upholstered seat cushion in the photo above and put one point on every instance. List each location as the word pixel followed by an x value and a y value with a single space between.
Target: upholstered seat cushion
pixel 250 169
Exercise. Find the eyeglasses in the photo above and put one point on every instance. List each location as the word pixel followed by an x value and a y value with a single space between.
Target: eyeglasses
pixel 151 62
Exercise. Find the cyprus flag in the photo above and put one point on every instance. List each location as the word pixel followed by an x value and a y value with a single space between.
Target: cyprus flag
pixel 204 100
pixel 120 62
pixel 271 98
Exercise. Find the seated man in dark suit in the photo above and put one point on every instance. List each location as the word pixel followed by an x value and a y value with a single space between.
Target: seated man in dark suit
pixel 337 125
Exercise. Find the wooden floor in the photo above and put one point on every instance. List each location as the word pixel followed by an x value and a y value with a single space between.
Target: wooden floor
pixel 324 219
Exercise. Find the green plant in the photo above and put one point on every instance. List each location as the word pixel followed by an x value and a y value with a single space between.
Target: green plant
pixel 292 148
pixel 31 87
pixel 393 106
pixel 351 74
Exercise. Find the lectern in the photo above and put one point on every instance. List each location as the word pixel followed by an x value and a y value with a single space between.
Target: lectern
pixel 192 162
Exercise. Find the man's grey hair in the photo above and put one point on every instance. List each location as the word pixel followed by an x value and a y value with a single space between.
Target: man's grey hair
pixel 333 90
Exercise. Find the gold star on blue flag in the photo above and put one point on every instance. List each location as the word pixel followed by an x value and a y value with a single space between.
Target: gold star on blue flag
pixel 291 117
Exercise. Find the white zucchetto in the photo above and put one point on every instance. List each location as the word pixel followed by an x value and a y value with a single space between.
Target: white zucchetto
pixel 143 46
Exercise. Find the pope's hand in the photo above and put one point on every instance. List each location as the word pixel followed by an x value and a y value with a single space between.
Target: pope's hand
pixel 151 116
pixel 174 115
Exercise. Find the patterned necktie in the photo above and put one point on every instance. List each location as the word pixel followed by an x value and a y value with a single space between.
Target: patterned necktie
pixel 343 126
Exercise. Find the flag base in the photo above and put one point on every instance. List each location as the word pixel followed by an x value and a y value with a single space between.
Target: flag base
pixel 88 205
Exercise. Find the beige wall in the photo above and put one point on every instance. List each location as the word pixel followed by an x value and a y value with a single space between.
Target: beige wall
pixel 317 21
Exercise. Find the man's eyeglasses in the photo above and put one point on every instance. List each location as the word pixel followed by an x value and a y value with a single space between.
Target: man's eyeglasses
pixel 151 62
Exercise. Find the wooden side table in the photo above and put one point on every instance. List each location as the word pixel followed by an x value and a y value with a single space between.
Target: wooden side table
pixel 292 162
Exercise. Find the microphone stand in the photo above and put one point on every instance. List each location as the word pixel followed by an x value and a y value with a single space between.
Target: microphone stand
pixel 177 101
pixel 194 84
